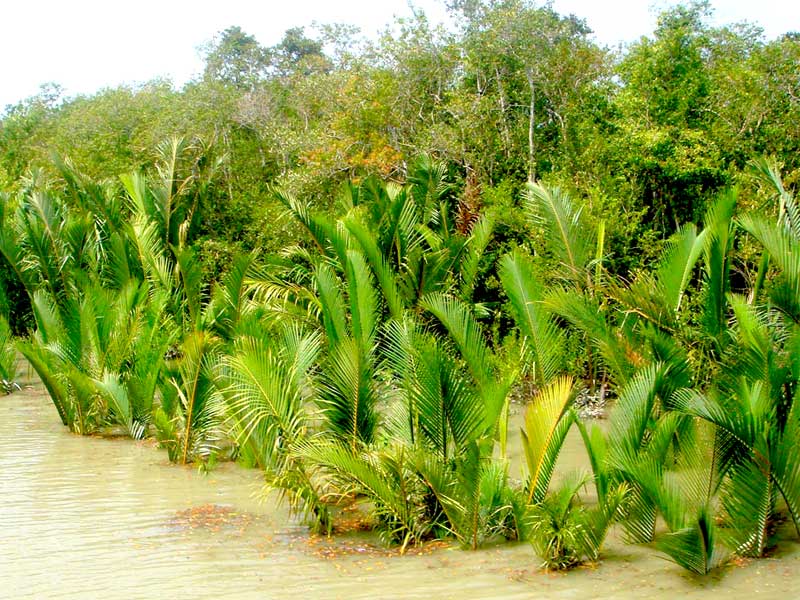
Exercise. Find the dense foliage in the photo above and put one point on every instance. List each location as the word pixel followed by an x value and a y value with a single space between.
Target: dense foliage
pixel 348 264
pixel 511 92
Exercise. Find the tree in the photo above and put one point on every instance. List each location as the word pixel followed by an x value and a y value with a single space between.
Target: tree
pixel 236 58
pixel 297 53
pixel 665 121
pixel 532 67
pixel 667 76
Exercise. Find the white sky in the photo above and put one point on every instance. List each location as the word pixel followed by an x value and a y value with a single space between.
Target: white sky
pixel 85 45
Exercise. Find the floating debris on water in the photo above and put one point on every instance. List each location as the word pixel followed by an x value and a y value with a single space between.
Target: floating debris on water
pixel 212 517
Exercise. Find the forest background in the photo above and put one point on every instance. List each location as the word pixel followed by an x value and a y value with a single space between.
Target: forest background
pixel 515 92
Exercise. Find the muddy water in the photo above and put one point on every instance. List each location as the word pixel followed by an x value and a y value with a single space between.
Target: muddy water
pixel 101 518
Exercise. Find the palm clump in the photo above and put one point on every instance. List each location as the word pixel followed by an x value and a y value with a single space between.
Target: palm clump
pixel 410 404
pixel 107 290
pixel 358 368
pixel 726 384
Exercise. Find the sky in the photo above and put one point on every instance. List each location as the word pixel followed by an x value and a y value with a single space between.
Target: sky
pixel 85 45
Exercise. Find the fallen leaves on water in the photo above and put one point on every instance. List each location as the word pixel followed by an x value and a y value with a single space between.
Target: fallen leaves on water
pixel 211 517
pixel 740 561
pixel 520 575
pixel 330 548
pixel 351 521
pixel 353 539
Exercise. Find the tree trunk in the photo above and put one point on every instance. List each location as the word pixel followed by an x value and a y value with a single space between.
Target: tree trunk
pixel 531 127
pixel 501 92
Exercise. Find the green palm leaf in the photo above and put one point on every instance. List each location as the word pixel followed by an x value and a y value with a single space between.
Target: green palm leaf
pixel 785 459
pixel 620 354
pixel 634 410
pixel 116 394
pixel 387 479
pixel 262 389
pixel 748 498
pixel 191 278
pixel 567 236
pixel 474 249
pixel 320 230
pixel 542 335
pixel 675 269
pixel 695 547
pixel 48 371
pixel 788 212
pixel 379 264
pixel 465 332
pixel 194 384
pixel 547 421
pixel 718 238
pixel 470 340
pixel 363 300
pixel 233 294
pixel 331 299
pixel 784 250
pixel 563 532
pixel 8 355
pixel 348 393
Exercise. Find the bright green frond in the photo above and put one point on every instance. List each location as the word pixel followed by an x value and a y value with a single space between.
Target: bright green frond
pixel 547 421
pixel 567 236
pixel 543 338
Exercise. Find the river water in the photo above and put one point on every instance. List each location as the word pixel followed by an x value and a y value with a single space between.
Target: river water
pixel 86 517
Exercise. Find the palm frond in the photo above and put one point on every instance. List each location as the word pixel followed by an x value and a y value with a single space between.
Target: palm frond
pixel 788 212
pixel 191 278
pixel 262 389
pixel 547 421
pixel 748 499
pixel 475 497
pixel 363 300
pixel 594 440
pixel 427 179
pixel 151 254
pixel 475 247
pixel 634 410
pixel 387 479
pixel 445 408
pixel 737 430
pixel 675 270
pixel 332 302
pixel 568 239
pixel 194 385
pixel 348 393
pixel 8 355
pixel 47 370
pixel 233 292
pixel 142 204
pixel 784 251
pixel 785 460
pixel 122 409
pixel 318 229
pixel 718 238
pixel 542 335
pixel 619 354
pixel 561 531
pixel 695 547
pixel 380 266
pixel 465 332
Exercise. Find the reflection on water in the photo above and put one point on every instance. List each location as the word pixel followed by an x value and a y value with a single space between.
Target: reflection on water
pixel 111 518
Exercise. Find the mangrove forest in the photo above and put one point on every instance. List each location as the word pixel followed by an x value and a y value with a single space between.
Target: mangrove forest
pixel 396 277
